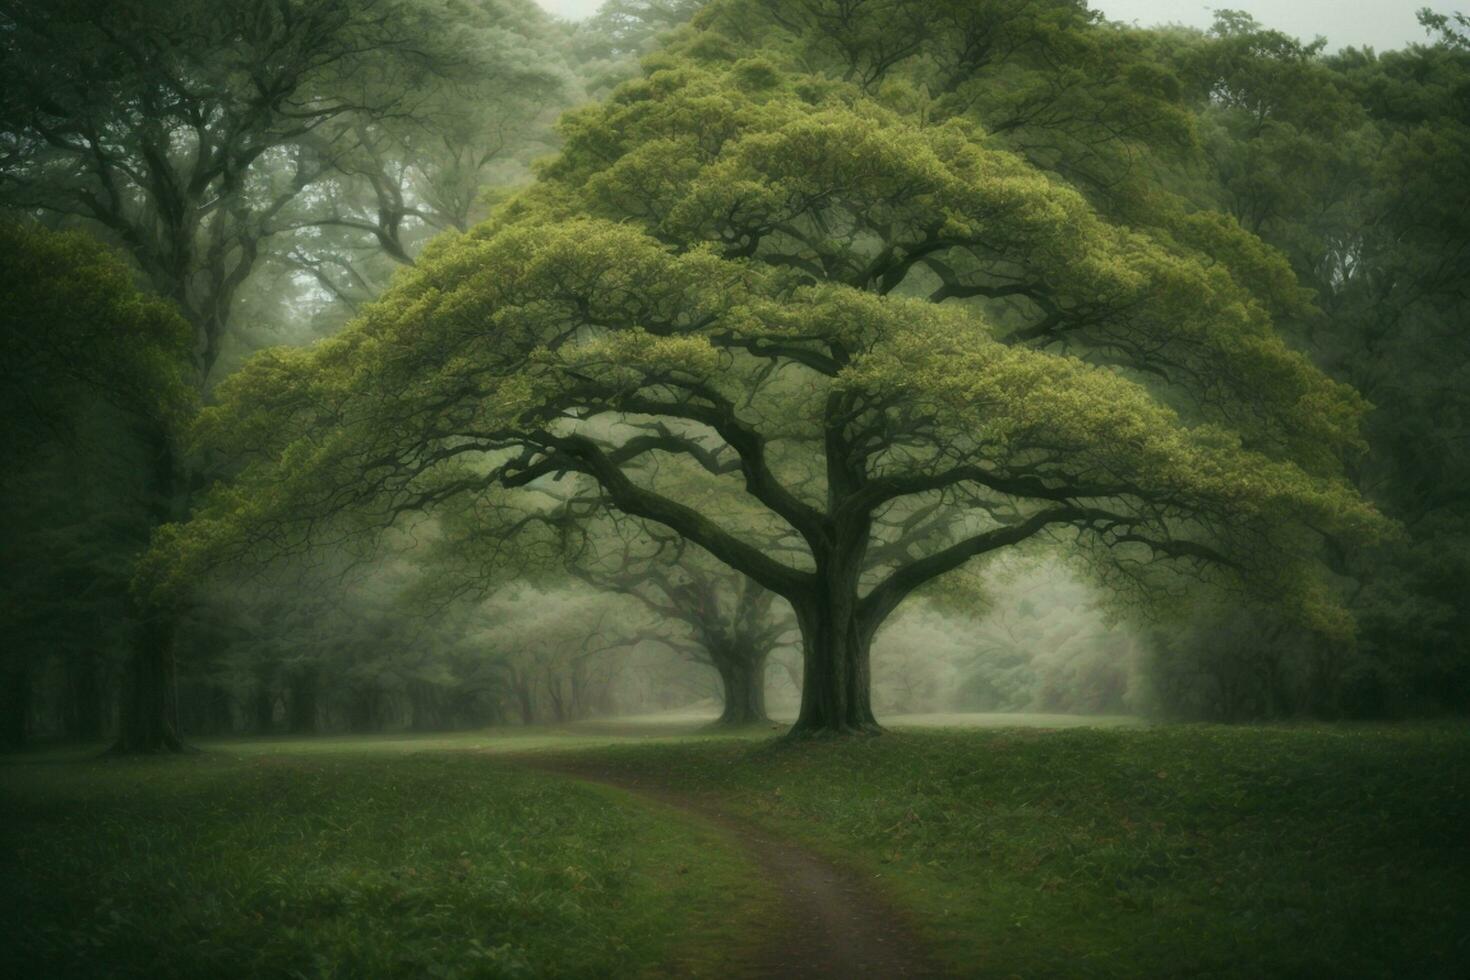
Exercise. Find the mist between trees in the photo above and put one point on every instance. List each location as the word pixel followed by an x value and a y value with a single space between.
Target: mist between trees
pixel 399 364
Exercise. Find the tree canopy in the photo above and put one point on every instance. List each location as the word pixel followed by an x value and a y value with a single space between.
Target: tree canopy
pixel 93 370
pixel 74 328
pixel 1354 166
pixel 202 137
pixel 783 274
pixel 322 140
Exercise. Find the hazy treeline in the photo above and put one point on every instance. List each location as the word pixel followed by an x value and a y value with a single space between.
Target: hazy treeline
pixel 266 169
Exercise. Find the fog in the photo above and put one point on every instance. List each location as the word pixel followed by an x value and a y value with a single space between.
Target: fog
pixel 1378 24
pixel 419 468
pixel 1362 23
pixel 734 488
pixel 392 642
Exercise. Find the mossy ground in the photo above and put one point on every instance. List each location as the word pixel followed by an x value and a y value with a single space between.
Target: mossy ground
pixel 1148 852
pixel 365 864
pixel 1133 852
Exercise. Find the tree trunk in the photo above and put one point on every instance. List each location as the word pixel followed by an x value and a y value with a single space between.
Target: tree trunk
pixel 485 712
pixel 555 696
pixel 148 721
pixel 836 689
pixel 262 709
pixel 15 708
pixel 221 710
pixel 743 680
pixel 522 688
pixel 150 710
pixel 302 710
pixel 83 713
pixel 427 709
pixel 363 710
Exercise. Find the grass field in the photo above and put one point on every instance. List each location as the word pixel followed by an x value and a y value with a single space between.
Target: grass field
pixel 1171 851
pixel 358 863
pixel 1122 851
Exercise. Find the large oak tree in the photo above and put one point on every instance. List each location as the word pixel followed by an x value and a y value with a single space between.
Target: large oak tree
pixel 854 312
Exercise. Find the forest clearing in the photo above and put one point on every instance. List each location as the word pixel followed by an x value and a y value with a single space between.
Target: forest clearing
pixel 1178 851
pixel 734 488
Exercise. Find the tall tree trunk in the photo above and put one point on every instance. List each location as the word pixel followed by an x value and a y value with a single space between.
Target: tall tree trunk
pixel 526 701
pixel 221 710
pixel 150 708
pixel 427 709
pixel 302 713
pixel 262 709
pixel 836 689
pixel 364 710
pixel 555 696
pixel 485 712
pixel 742 673
pixel 83 711
pixel 15 708
pixel 148 721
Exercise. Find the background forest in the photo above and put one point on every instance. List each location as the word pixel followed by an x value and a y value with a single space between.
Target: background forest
pixel 189 184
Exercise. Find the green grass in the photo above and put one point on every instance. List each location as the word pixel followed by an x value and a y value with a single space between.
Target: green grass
pixel 1107 852
pixel 353 863
pixel 1181 851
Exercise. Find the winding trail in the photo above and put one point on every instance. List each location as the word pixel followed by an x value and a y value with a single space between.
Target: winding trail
pixel 832 923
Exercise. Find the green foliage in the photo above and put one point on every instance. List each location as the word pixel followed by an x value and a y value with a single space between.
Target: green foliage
pixel 96 377
pixel 629 27
pixel 947 277
pixel 1453 29
pixel 74 331
pixel 711 224
pixel 209 139
pixel 1352 165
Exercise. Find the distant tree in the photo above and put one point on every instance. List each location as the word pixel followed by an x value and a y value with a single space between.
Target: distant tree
pixel 203 138
pixel 701 610
pixel 730 622
pixel 1453 30
pixel 192 133
pixel 93 370
pixel 605 48
pixel 553 651
pixel 629 27
pixel 1354 165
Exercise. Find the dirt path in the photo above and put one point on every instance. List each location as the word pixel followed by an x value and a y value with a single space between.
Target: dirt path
pixel 833 925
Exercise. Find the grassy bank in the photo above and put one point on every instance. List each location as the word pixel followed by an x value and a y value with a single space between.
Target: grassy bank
pixel 353 864
pixel 1239 852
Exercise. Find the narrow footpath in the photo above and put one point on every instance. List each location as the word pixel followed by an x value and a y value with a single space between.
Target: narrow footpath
pixel 833 924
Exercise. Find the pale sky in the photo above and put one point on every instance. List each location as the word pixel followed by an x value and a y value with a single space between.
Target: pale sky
pixel 1380 23
pixel 571 9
